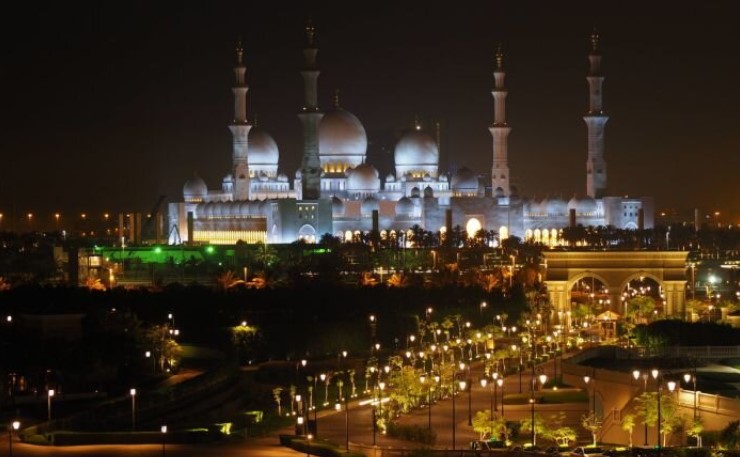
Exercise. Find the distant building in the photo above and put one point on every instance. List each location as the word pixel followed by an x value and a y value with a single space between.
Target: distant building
pixel 337 191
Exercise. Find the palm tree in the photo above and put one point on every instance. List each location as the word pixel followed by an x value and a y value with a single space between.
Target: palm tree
pixel 228 279
pixel 94 284
pixel 398 280
pixel 276 394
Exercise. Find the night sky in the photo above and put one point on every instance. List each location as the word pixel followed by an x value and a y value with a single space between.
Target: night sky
pixel 108 105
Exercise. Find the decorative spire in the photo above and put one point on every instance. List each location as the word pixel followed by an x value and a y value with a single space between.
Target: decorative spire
pixel 239 52
pixel 595 41
pixel 310 32
pixel 336 98
pixel 499 58
pixel 417 125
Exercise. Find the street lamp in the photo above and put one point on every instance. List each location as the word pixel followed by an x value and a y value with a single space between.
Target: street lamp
pixel 691 377
pixel 148 355
pixel 500 383
pixel 309 437
pixel 14 426
pixel 543 380
pixel 49 395
pixel 423 380
pixel 163 429
pixel 133 409
pixel 462 384
pixel 587 380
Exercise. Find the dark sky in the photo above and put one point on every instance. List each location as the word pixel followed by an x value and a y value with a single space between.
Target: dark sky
pixel 107 105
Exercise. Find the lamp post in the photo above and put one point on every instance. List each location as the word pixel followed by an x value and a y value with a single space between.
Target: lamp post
pixel 423 380
pixel 14 426
pixel 587 380
pixel 462 384
pixel 163 430
pixel 500 383
pixel 543 380
pixel 49 396
pixel 148 355
pixel 133 409
pixel 659 388
pixel 691 377
pixel 309 437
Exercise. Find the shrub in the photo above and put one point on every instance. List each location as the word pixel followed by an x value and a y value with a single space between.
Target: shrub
pixel 413 433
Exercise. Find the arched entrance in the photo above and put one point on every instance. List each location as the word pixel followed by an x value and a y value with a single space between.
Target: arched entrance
pixel 615 270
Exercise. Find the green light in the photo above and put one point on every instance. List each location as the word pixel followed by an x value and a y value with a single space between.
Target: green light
pixel 210 249
pixel 158 250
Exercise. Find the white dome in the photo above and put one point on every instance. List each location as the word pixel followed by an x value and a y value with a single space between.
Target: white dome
pixel 363 178
pixel 369 204
pixel 298 174
pixel 390 178
pixel 337 207
pixel 587 205
pixel 195 187
pixel 341 134
pixel 262 149
pixel 557 207
pixel 465 180
pixel 573 204
pixel 404 207
pixel 416 148
pixel 282 177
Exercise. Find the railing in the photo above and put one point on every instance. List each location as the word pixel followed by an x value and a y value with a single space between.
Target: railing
pixel 702 352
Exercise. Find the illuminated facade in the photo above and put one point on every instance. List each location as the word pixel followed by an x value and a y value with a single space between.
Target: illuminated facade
pixel 336 191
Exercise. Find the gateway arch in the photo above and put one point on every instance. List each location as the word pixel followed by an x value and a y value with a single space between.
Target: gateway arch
pixel 615 269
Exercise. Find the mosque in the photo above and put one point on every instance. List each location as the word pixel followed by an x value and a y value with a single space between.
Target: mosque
pixel 337 192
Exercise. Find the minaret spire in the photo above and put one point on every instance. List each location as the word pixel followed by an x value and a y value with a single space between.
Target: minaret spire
pixel 336 98
pixel 240 128
pixel 310 117
pixel 595 123
pixel 500 131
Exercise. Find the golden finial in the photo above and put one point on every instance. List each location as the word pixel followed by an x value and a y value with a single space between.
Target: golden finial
pixel 239 51
pixel 336 98
pixel 499 58
pixel 595 40
pixel 310 32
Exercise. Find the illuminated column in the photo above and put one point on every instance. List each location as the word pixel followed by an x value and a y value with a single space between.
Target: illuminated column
pixel 310 117
pixel 595 122
pixel 240 129
pixel 500 131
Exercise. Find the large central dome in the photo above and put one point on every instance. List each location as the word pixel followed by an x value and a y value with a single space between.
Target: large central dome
pixel 416 148
pixel 342 138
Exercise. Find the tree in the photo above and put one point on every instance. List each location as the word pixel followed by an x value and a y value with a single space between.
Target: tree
pixel 228 279
pixel 628 424
pixel 697 426
pixel 556 431
pixel 277 395
pixel 593 423
pixel 540 427
pixel 483 424
pixel 729 437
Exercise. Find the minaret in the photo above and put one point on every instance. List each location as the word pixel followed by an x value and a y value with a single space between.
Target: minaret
pixel 500 130
pixel 240 129
pixel 310 117
pixel 595 122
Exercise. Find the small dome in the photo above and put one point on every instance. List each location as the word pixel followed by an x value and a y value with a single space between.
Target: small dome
pixel 194 188
pixel 442 178
pixel 369 204
pixel 262 149
pixel 404 207
pixel 298 174
pixel 557 207
pixel 573 204
pixel 363 178
pixel 263 177
pixel 416 148
pixel 341 133
pixel 337 207
pixel 282 177
pixel 587 205
pixel 465 180
pixel 390 178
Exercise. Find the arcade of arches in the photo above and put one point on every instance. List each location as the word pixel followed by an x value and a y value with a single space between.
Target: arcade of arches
pixel 614 271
